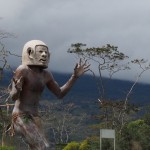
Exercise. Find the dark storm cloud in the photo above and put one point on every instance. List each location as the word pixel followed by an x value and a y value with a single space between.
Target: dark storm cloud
pixel 61 22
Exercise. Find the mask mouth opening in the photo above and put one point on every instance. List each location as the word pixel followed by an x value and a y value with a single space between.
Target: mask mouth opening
pixel 43 60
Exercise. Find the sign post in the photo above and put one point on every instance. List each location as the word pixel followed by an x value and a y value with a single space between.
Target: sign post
pixel 107 133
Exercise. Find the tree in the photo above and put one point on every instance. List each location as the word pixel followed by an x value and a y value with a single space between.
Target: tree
pixel 146 115
pixel 4 53
pixel 4 91
pixel 135 134
pixel 60 122
pixel 107 59
pixel 110 60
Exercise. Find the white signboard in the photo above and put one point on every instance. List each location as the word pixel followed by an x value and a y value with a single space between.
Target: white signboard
pixel 107 133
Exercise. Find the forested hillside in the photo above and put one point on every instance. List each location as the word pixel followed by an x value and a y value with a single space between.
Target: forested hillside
pixel 85 92
pixel 85 111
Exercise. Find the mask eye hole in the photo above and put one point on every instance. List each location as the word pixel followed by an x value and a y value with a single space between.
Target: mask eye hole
pixel 29 51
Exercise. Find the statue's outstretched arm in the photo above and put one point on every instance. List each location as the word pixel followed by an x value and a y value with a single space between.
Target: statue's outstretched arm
pixel 60 92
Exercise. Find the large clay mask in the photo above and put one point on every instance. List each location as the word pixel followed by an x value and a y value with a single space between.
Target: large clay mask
pixel 35 53
pixel 41 55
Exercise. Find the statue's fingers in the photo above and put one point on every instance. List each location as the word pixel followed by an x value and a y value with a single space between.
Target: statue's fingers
pixel 86 70
pixel 14 80
pixel 21 79
pixel 76 66
pixel 80 62
pixel 87 66
pixel 85 63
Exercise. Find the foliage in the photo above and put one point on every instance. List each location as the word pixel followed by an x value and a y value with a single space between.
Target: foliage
pixel 106 58
pixel 4 53
pixel 72 146
pixel 60 146
pixel 109 61
pixel 135 132
pixel 146 116
pixel 124 140
pixel 7 148
pixel 85 145
pixel 60 122
pixel 114 110
pixel 4 92
pixel 93 142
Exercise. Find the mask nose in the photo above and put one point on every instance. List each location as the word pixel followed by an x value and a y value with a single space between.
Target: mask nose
pixel 44 54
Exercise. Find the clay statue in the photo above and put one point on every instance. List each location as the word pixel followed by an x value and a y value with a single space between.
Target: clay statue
pixel 29 81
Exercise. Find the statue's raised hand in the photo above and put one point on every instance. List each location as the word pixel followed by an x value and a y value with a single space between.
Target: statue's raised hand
pixel 18 83
pixel 81 68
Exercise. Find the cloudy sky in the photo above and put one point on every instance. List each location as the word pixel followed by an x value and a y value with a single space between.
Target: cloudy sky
pixel 59 23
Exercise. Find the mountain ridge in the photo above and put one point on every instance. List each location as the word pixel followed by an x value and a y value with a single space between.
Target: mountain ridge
pixel 85 93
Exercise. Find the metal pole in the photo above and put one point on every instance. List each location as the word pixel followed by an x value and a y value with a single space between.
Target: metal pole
pixel 100 141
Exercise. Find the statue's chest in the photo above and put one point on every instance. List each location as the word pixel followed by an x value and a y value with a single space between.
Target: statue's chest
pixel 35 82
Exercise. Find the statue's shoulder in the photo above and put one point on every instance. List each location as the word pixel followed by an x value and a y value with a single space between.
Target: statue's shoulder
pixel 47 74
pixel 22 69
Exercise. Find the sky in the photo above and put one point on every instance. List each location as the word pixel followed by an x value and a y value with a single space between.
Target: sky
pixel 59 23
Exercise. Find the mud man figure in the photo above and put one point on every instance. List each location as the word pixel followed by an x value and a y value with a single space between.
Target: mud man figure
pixel 29 81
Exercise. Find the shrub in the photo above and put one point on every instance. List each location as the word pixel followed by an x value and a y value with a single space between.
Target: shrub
pixel 85 145
pixel 135 133
pixel 93 143
pixel 7 148
pixel 72 146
